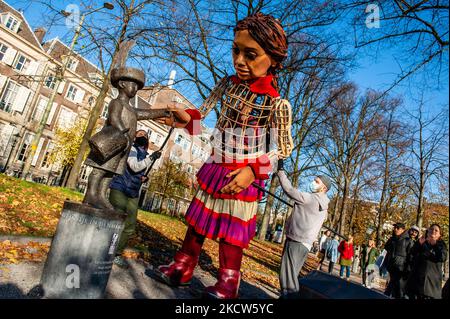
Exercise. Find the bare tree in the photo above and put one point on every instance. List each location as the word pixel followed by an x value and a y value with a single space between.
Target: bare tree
pixel 429 154
pixel 417 30
pixel 392 145
pixel 351 124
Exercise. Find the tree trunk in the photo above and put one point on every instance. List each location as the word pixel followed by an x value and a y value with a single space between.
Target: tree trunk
pixel 99 103
pixel 267 209
pixel 343 207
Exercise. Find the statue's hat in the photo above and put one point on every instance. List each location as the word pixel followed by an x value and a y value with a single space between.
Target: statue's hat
pixel 127 74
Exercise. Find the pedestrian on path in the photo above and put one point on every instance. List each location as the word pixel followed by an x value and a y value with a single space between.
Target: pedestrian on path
pixel 398 249
pixel 124 189
pixel 324 241
pixel 347 252
pixel 302 228
pixel 428 255
pixel 370 263
pixel 332 253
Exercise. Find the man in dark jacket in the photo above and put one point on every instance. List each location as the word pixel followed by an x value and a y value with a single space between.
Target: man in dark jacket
pixel 124 189
pixel 398 249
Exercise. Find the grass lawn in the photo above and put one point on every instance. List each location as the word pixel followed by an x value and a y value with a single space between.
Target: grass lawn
pixel 32 209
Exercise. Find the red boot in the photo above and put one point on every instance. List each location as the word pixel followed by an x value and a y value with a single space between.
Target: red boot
pixel 179 272
pixel 227 285
pixel 229 277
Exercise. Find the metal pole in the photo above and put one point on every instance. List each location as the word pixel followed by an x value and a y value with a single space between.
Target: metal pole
pixel 292 206
pixel 50 101
pixel 162 146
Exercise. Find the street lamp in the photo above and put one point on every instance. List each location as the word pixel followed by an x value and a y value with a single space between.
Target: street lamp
pixel 59 78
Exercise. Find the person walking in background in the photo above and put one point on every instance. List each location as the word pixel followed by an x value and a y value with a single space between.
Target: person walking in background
pixel 414 233
pixel 362 263
pixel 332 253
pixel 124 189
pixel 347 252
pixel 398 249
pixel 370 263
pixel 323 243
pixel 428 255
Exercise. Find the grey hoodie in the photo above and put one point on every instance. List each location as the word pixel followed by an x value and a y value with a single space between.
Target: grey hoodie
pixel 308 215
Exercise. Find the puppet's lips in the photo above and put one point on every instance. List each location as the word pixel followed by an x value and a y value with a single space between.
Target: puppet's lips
pixel 243 72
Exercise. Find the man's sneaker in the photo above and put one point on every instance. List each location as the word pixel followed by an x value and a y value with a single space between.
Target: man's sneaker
pixel 121 262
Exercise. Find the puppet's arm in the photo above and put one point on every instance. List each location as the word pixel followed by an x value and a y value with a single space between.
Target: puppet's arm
pixel 282 121
pixel 214 97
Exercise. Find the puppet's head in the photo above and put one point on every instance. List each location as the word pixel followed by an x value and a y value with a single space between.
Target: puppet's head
pixel 128 80
pixel 259 47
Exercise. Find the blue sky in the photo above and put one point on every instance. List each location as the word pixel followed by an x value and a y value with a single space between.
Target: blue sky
pixel 372 72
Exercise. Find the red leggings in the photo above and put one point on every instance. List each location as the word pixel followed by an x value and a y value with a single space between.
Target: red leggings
pixel 230 256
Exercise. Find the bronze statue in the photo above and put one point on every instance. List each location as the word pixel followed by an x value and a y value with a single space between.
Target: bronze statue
pixel 111 145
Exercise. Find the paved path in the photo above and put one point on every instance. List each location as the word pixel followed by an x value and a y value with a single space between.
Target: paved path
pixel 136 282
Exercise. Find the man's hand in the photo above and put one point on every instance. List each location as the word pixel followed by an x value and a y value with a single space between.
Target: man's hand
pixel 144 179
pixel 244 178
pixel 155 155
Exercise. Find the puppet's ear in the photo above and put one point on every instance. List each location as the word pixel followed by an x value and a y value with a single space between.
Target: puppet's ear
pixel 121 84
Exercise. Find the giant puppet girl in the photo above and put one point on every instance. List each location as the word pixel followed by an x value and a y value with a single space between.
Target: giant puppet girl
pixel 250 107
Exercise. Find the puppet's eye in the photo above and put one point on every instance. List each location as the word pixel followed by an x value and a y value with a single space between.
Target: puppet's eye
pixel 250 56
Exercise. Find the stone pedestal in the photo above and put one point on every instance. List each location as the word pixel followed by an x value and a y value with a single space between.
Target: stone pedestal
pixel 80 258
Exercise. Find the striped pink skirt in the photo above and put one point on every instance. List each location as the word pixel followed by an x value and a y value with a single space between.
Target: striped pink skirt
pixel 224 216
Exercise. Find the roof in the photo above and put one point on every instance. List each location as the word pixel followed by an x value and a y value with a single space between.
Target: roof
pixel 25 30
pixel 56 49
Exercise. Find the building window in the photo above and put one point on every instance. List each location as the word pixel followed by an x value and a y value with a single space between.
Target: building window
pixel 66 118
pixel 21 63
pixel 3 49
pixel 24 149
pixel 9 96
pixel 105 111
pixel 71 93
pixel 72 64
pixel 11 22
pixel 46 160
pixel 158 139
pixel 39 110
pixel 50 81
pixel 91 101
pixel 95 78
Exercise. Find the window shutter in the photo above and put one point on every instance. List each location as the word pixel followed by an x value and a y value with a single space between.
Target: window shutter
pixel 52 113
pixel 32 68
pixel 79 96
pixel 2 81
pixel 38 150
pixel 61 86
pixel 6 131
pixel 21 99
pixel 10 54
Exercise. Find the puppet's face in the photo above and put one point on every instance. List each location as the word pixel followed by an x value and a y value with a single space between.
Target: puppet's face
pixel 129 88
pixel 249 58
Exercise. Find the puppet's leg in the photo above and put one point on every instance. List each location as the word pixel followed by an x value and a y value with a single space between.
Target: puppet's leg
pixel 180 271
pixel 228 280
pixel 93 188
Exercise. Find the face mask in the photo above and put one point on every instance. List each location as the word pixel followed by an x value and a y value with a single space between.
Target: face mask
pixel 314 187
pixel 141 141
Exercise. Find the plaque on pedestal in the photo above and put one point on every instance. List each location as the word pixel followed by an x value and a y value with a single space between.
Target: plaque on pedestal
pixel 80 258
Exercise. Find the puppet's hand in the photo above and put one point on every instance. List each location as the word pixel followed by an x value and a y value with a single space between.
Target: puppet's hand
pixel 244 178
pixel 179 117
